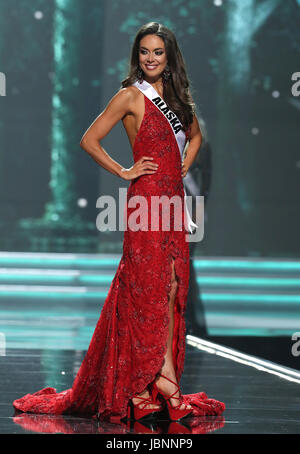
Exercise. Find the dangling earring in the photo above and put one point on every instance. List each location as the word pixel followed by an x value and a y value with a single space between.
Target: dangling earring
pixel 166 75
pixel 140 74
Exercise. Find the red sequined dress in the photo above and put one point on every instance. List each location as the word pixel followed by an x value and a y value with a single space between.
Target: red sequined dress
pixel 130 339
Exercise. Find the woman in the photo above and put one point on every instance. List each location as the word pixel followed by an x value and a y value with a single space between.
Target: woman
pixel 135 359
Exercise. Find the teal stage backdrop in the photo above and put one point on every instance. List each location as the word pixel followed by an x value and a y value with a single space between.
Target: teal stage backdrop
pixel 64 59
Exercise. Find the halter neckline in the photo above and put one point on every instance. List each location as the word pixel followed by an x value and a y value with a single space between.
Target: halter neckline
pixel 148 83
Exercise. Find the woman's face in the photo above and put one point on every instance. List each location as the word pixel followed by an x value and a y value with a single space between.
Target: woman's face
pixel 152 56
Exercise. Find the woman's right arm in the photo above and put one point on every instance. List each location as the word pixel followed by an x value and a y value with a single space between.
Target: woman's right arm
pixel 116 109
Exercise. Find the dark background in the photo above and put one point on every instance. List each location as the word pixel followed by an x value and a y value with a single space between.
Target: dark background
pixel 62 69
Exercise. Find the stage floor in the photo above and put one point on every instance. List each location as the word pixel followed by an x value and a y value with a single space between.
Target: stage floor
pixel 260 396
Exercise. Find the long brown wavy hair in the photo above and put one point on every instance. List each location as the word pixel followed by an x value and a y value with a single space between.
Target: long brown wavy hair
pixel 177 93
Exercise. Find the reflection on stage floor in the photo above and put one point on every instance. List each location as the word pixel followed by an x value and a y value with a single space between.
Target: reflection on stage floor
pixel 260 397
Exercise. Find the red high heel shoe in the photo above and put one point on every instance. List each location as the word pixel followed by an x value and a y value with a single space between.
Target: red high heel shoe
pixel 135 412
pixel 175 414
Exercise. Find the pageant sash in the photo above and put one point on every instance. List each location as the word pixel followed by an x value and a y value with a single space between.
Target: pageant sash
pixel 173 120
pixel 176 126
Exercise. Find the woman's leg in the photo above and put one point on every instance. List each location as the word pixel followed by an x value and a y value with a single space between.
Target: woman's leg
pixel 168 366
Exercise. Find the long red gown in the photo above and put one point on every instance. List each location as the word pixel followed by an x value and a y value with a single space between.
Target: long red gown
pixel 130 339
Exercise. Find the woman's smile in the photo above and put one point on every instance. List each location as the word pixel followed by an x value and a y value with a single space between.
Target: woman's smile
pixel 151 67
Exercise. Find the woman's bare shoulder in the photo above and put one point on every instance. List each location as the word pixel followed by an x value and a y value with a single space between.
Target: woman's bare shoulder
pixel 129 93
pixel 123 100
pixel 127 96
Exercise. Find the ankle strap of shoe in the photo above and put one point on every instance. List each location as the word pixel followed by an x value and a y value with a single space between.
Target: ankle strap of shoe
pixel 167 378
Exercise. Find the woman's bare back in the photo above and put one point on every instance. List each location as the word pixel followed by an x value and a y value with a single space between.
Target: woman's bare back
pixel 133 119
